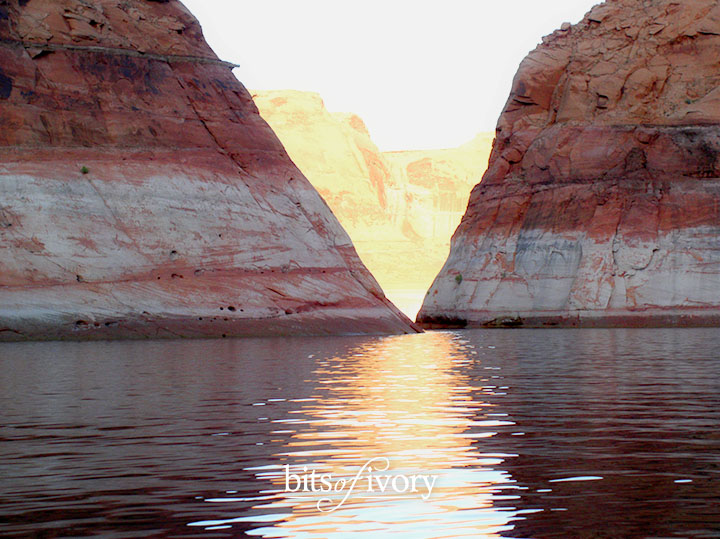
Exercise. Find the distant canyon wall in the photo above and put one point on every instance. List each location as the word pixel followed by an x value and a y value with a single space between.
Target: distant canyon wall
pixel 399 208
pixel 436 185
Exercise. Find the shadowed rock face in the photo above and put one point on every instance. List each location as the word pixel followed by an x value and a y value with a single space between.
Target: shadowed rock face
pixel 143 195
pixel 601 203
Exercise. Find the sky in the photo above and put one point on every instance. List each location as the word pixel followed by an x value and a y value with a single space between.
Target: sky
pixel 421 73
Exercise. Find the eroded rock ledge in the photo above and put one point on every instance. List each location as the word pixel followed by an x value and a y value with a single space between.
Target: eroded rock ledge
pixel 143 195
pixel 601 204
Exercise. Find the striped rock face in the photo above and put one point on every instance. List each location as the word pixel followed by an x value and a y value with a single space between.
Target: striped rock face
pixel 601 203
pixel 143 196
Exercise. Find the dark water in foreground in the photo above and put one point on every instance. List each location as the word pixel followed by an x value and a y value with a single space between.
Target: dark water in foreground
pixel 530 433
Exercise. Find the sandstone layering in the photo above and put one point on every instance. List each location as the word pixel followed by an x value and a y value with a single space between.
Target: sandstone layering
pixel 143 195
pixel 601 203
pixel 399 208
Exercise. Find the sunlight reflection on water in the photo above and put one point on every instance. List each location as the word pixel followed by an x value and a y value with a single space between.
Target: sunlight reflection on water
pixel 544 433
pixel 407 400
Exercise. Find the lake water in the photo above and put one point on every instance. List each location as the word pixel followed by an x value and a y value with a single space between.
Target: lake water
pixel 527 433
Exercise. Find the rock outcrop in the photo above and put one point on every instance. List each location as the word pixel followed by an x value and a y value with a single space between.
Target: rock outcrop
pixel 399 208
pixel 143 195
pixel 601 203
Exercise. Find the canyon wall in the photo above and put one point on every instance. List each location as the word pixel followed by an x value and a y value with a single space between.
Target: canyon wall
pixel 399 208
pixel 601 203
pixel 436 185
pixel 144 196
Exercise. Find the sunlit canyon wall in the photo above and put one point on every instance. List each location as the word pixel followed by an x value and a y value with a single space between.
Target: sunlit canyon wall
pixel 399 208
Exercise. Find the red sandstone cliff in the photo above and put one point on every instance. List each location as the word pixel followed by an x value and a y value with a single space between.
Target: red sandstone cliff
pixel 601 203
pixel 141 194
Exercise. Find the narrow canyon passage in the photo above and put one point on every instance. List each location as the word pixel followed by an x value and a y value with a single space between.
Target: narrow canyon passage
pixel 399 208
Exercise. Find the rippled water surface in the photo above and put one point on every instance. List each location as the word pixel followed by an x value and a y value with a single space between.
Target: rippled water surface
pixel 545 433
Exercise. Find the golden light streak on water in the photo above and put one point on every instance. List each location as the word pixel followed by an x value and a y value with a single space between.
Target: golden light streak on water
pixel 407 401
